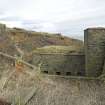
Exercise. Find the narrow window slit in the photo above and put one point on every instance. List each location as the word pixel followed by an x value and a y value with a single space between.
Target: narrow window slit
pixel 58 73
pixel 46 72
pixel 68 73
pixel 79 73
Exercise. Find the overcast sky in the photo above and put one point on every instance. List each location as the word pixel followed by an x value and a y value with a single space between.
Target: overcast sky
pixel 69 17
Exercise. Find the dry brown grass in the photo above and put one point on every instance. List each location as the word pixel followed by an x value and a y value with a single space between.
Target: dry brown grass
pixel 51 90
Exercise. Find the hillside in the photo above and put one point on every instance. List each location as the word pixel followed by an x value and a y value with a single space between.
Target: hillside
pixel 30 40
pixel 60 49
pixel 15 41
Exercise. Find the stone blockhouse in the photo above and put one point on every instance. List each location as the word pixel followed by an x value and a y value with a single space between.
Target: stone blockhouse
pixel 61 64
pixel 94 44
pixel 90 63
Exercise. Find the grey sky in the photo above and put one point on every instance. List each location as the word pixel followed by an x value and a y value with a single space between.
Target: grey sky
pixel 69 17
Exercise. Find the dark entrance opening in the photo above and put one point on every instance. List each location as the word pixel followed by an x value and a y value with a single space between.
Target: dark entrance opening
pixel 79 74
pixel 68 73
pixel 58 73
pixel 46 72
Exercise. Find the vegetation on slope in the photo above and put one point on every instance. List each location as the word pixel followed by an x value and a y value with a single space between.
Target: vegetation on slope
pixel 29 40
pixel 59 49
pixel 15 40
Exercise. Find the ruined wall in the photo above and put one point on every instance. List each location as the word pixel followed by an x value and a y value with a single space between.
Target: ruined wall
pixel 60 64
pixel 2 29
pixel 94 50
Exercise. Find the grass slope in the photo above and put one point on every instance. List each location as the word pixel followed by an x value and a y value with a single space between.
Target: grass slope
pixel 29 40
pixel 59 49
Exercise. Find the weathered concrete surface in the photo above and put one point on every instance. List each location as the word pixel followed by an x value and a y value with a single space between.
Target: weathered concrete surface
pixel 94 51
pixel 60 64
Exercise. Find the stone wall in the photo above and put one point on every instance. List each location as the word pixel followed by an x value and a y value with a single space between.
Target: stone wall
pixel 2 29
pixel 60 64
pixel 94 51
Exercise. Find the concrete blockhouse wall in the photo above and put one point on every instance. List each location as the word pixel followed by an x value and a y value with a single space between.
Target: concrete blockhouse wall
pixel 59 64
pixel 94 40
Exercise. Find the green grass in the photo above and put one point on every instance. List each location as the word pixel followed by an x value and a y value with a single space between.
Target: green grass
pixel 59 49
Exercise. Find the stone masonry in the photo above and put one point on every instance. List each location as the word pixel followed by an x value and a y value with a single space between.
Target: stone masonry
pixel 61 64
pixel 94 40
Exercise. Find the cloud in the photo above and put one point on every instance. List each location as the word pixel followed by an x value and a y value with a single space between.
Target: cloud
pixel 69 17
pixel 76 28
